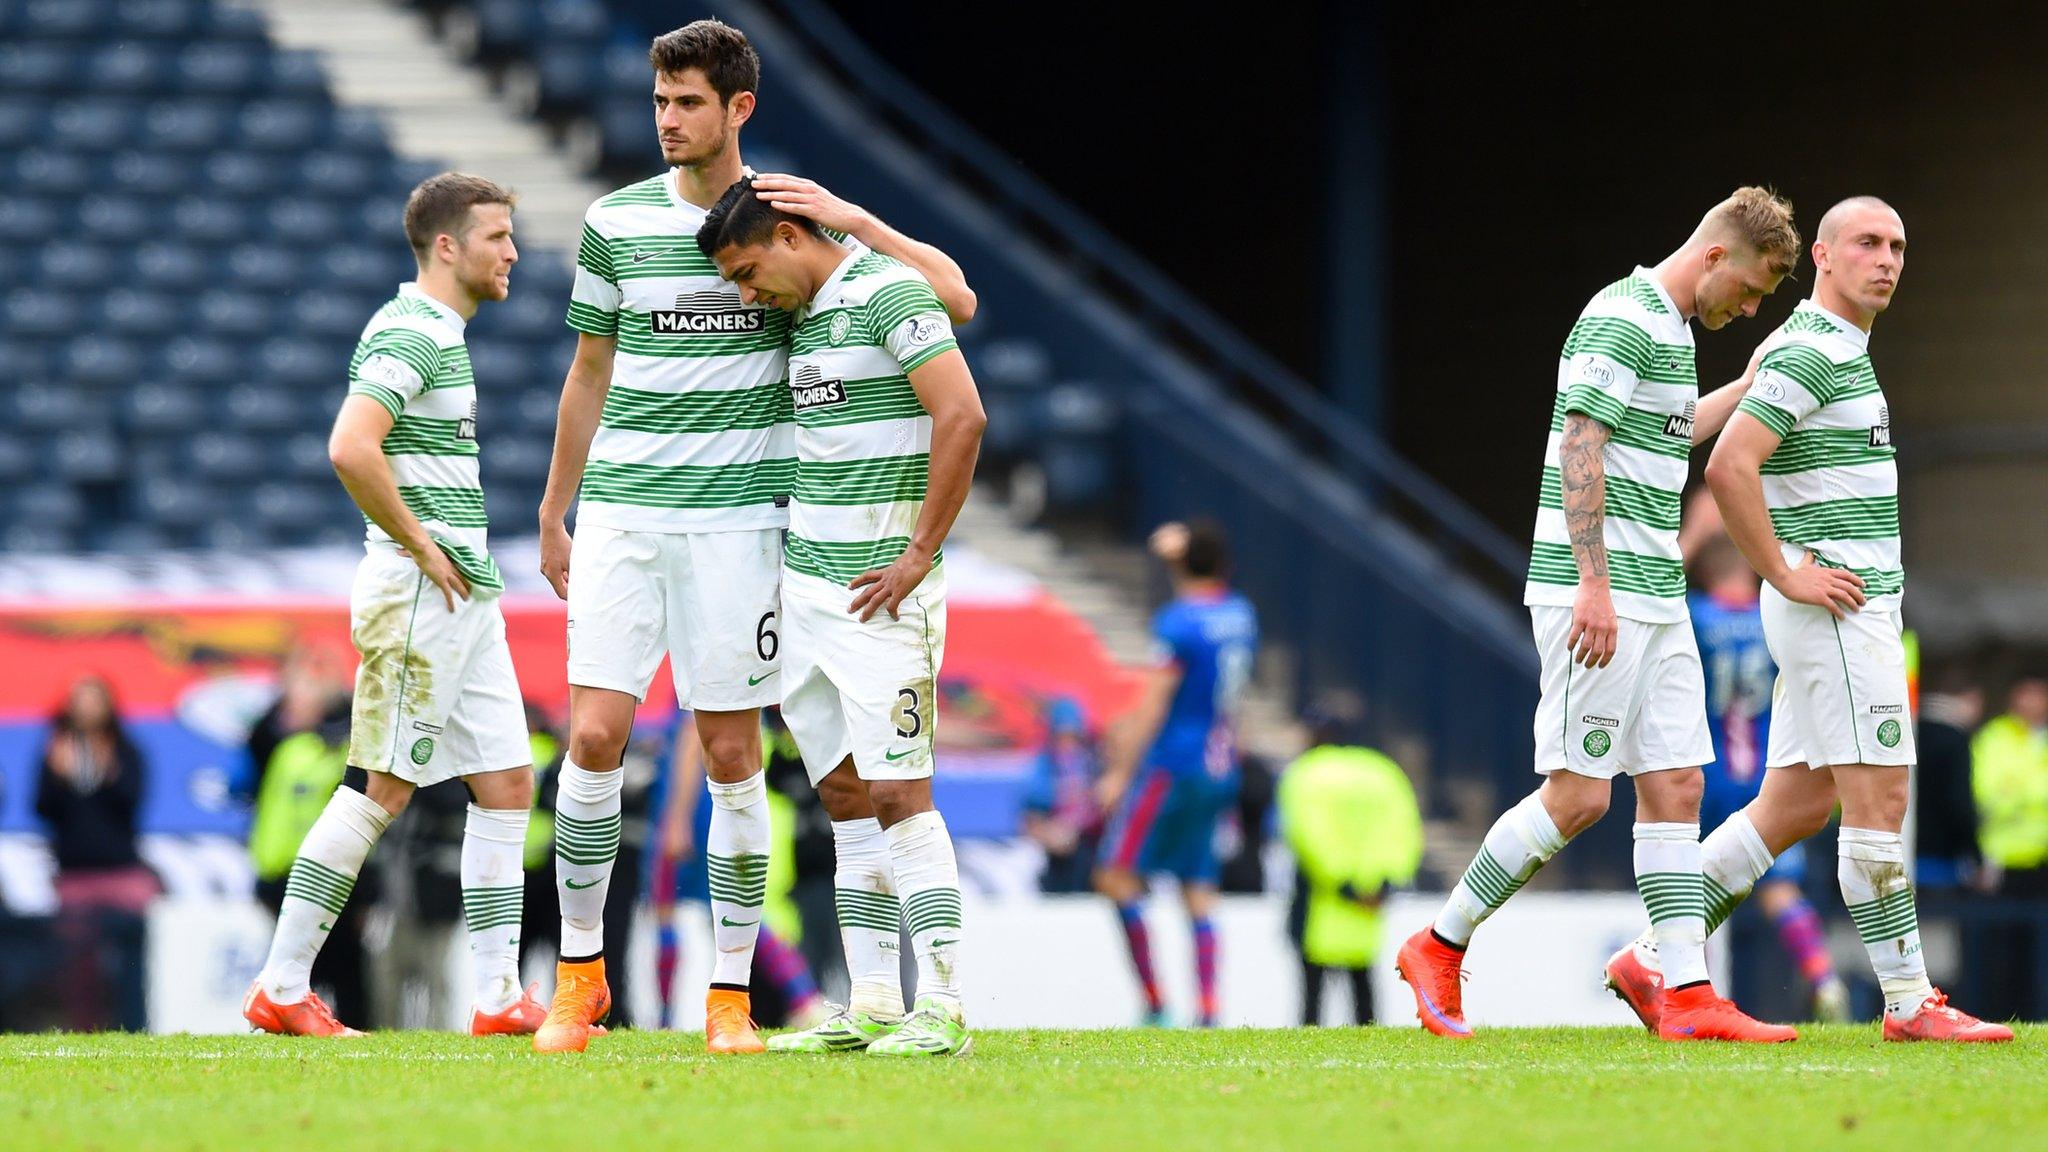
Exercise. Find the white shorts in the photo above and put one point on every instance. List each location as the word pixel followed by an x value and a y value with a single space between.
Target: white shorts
pixel 863 690
pixel 1645 712
pixel 709 600
pixel 436 697
pixel 1841 691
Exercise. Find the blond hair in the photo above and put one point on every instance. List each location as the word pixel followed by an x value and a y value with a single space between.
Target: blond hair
pixel 1759 219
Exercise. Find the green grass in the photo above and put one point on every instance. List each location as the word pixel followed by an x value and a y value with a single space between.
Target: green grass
pixel 1334 1088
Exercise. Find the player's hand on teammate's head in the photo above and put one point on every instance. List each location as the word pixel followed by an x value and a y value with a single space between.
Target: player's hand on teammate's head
pixel 808 198
pixel 1169 541
pixel 885 588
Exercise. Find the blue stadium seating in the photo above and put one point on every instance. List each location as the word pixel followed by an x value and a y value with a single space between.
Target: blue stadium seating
pixel 192 234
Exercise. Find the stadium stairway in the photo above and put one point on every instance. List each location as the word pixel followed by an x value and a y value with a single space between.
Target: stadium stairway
pixel 434 107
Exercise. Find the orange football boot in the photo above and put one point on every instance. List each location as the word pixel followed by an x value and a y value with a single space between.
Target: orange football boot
pixel 729 1024
pixel 1433 970
pixel 581 1000
pixel 1937 1021
pixel 522 1017
pixel 1637 984
pixel 1696 1013
pixel 308 1017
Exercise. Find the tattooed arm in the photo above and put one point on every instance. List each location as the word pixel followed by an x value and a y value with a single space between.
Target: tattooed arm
pixel 1582 466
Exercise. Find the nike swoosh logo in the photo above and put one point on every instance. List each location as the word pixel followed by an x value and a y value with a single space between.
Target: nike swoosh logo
pixel 327 927
pixel 644 257
pixel 729 922
pixel 753 680
pixel 514 942
pixel 899 755
pixel 573 886
pixel 944 943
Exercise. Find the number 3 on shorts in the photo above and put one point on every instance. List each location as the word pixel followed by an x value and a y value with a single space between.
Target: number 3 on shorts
pixel 907 710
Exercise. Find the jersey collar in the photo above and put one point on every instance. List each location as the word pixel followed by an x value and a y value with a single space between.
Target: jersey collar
pixel 1650 276
pixel 1849 332
pixel 448 315
pixel 832 281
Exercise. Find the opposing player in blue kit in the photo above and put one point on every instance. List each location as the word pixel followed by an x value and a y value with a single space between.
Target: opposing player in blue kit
pixel 1173 765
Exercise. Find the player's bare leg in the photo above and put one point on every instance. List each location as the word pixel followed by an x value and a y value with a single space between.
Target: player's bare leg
pixel 736 856
pixel 329 860
pixel 1879 893
pixel 586 843
pixel 870 924
pixel 1126 889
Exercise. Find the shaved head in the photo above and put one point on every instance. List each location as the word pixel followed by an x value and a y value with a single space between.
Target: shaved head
pixel 1831 223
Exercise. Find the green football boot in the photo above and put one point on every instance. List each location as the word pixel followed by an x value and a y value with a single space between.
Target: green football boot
pixel 843 1031
pixel 931 1030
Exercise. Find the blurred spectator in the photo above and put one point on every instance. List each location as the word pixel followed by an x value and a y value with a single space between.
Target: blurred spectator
pixel 421 911
pixel 1243 840
pixel 297 778
pixel 1350 817
pixel 1060 811
pixel 813 861
pixel 783 991
pixel 2010 781
pixel 312 686
pixel 1945 810
pixel 90 788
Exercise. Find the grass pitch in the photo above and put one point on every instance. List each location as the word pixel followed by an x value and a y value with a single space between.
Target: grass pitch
pixel 1316 1089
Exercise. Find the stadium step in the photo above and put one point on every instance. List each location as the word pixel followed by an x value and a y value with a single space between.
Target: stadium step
pixel 436 108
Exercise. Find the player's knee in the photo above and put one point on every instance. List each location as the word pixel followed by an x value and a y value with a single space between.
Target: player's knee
pixel 1575 803
pixel 898 800
pixel 731 756
pixel 598 743
pixel 505 791
pixel 843 796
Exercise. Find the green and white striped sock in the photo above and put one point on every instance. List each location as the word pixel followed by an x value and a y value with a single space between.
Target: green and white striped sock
pixel 493 890
pixel 928 876
pixel 1518 844
pixel 586 843
pixel 736 856
pixel 870 918
pixel 1872 870
pixel 330 858
pixel 1667 858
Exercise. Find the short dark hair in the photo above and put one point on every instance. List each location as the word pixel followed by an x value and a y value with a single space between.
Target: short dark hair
pixel 742 218
pixel 715 48
pixel 441 204
pixel 1208 554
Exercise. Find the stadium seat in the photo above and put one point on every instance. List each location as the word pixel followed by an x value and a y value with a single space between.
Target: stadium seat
pixel 189 124
pixel 165 409
pixel 117 219
pixel 244 175
pixel 53 172
pixel 272 267
pixel 56 506
pixel 73 264
pixel 170 265
pixel 30 537
pixel 294 512
pixel 209 221
pixel 131 537
pixel 220 69
pixel 82 20
pixel 22 118
pixel 224 457
pixel 304 457
pixel 259 409
pixel 233 313
pixel 17 459
pixel 142 314
pixel 86 457
pixel 27 219
pixel 161 19
pixel 203 360
pixel 127 68
pixel 36 66
pixel 42 312
pixel 25 358
pixel 176 502
pixel 90 124
pixel 101 361
pixel 295 363
pixel 281 124
pixel 152 174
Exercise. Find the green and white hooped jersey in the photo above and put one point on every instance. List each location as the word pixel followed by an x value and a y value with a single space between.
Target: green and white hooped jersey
pixel 412 360
pixel 1628 363
pixel 1832 485
pixel 695 435
pixel 863 439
